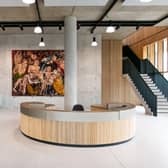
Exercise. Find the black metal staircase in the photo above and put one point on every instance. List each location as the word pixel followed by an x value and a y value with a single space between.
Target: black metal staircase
pixel 130 69
pixel 135 67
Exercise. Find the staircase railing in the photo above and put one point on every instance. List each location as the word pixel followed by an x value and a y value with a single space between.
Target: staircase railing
pixel 157 77
pixel 127 52
pixel 151 99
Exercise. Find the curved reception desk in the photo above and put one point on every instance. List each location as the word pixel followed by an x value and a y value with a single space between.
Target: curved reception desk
pixel 103 125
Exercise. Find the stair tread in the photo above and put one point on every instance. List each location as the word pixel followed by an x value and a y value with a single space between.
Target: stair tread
pixel 162 111
pixel 162 101
pixel 155 90
pixel 162 108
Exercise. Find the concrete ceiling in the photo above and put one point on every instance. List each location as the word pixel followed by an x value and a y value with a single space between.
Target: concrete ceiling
pixel 75 3
pixel 152 3
pixel 119 12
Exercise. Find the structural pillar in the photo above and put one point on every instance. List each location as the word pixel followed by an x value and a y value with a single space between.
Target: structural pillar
pixel 70 47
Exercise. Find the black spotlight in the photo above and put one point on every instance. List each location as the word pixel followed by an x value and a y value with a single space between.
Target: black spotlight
pixel 60 27
pixel 21 27
pixel 117 27
pixel 78 26
pixel 3 27
pixel 137 27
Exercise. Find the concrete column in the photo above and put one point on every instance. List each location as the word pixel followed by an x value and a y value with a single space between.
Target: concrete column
pixel 70 46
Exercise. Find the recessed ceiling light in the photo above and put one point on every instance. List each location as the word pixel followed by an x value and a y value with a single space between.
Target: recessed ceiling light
pixel 145 1
pixel 28 1
pixel 37 29
pixel 94 42
pixel 110 29
pixel 42 43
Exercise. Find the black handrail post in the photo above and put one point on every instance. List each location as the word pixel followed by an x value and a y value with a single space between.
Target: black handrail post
pixel 155 113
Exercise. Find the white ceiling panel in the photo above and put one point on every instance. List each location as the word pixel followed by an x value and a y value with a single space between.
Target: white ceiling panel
pixel 152 3
pixel 12 3
pixel 75 2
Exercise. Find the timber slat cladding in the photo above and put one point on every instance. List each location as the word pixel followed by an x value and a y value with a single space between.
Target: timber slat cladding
pixel 79 133
pixel 143 37
pixel 115 88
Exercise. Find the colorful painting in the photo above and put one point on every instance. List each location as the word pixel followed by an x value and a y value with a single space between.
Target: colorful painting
pixel 37 72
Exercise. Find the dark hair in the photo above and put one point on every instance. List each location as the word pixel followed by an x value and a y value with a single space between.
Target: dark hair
pixel 78 107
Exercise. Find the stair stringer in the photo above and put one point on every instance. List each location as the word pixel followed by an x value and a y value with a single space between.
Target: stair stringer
pixel 147 109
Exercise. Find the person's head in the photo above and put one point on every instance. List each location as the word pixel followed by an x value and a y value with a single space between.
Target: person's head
pixel 36 62
pixel 33 56
pixel 54 58
pixel 25 78
pixel 48 69
pixel 78 107
pixel 55 72
pixel 59 70
pixel 24 61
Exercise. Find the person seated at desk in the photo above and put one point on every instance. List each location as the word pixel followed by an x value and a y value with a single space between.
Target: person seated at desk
pixel 78 107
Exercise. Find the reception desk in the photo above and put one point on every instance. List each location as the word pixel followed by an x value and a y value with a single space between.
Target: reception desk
pixel 100 126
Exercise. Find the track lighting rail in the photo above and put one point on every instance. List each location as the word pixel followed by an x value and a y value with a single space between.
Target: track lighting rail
pixel 81 23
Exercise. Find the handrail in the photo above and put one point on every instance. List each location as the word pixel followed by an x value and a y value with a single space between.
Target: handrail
pixel 145 66
pixel 157 77
pixel 146 92
pixel 127 52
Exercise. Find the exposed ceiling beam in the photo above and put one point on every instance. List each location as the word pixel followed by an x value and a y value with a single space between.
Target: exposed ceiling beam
pixel 123 23
pixel 81 23
pixel 104 14
pixel 162 18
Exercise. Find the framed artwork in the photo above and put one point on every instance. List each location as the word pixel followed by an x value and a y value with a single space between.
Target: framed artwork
pixel 37 72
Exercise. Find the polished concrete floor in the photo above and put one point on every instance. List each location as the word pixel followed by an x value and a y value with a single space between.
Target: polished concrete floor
pixel 149 149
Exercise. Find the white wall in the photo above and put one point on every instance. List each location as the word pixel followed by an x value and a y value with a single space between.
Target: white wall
pixel 89 68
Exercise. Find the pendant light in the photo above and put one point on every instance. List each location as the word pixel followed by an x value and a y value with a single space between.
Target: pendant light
pixel 110 29
pixel 94 42
pixel 37 30
pixel 42 43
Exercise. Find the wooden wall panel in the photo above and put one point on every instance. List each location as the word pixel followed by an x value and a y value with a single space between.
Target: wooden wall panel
pixel 143 37
pixel 160 55
pixel 115 88
pixel 152 51
pixel 78 133
pixel 145 52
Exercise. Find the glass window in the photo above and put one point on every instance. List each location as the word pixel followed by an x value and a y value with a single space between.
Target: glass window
pixel 157 54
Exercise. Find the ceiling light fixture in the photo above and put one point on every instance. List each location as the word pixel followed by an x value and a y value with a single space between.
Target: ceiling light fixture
pixel 94 42
pixel 137 27
pixel 38 30
pixel 60 27
pixel 42 43
pixel 28 1
pixel 110 29
pixel 21 28
pixel 78 26
pixel 3 28
pixel 117 27
pixel 145 1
